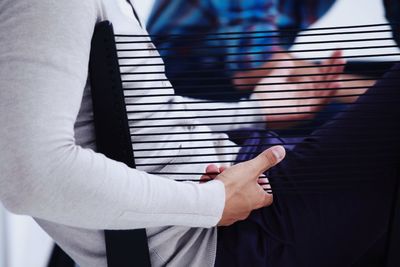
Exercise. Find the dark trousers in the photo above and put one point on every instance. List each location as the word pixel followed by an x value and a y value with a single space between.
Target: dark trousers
pixel 333 194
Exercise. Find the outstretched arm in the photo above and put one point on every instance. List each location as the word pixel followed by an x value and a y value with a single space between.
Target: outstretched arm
pixel 286 95
pixel 44 57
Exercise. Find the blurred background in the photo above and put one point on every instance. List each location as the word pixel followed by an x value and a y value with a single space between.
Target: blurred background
pixel 24 244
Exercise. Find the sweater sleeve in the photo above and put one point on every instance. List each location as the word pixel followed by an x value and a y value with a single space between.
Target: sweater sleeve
pixel 228 116
pixel 44 55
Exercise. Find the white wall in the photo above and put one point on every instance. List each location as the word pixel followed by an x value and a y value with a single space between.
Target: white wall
pixel 351 12
pixel 3 237
pixel 26 244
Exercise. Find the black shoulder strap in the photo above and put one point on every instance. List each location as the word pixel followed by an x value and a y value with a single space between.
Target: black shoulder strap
pixel 393 246
pixel 124 248
pixel 59 258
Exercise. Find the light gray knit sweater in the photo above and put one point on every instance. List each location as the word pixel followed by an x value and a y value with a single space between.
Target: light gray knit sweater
pixel 48 167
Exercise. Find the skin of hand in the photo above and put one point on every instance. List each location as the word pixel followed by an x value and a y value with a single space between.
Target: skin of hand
pixel 290 95
pixel 244 190
pixel 344 95
pixel 246 80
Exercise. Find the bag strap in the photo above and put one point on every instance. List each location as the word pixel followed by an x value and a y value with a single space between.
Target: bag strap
pixel 124 248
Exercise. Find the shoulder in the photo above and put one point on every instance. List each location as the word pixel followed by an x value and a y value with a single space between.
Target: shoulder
pixel 48 9
pixel 50 32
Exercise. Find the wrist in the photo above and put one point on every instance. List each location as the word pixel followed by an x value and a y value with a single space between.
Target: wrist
pixel 214 198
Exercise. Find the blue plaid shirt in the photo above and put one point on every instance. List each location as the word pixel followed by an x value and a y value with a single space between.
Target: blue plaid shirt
pixel 204 18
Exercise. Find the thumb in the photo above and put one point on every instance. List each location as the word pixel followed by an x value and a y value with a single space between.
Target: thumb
pixel 268 159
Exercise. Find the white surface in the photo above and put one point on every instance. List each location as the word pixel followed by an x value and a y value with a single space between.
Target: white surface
pixel 3 238
pixel 27 244
pixel 350 12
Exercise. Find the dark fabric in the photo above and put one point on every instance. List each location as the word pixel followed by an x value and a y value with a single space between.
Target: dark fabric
pixel 392 13
pixel 60 259
pixel 322 214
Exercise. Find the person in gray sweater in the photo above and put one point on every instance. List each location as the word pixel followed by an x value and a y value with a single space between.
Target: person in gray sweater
pixel 50 170
pixel 49 167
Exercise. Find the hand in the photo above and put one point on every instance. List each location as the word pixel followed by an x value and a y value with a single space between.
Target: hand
pixel 243 193
pixel 245 80
pixel 286 104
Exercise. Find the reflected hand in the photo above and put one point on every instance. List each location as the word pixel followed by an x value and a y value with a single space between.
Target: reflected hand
pixel 295 95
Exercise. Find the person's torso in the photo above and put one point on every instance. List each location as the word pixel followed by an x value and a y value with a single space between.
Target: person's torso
pixel 175 246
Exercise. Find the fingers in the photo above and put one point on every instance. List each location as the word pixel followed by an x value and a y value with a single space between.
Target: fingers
pixel 212 168
pixel 330 73
pixel 265 199
pixel 264 183
pixel 268 199
pixel 267 159
pixel 211 172
pixel 335 59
